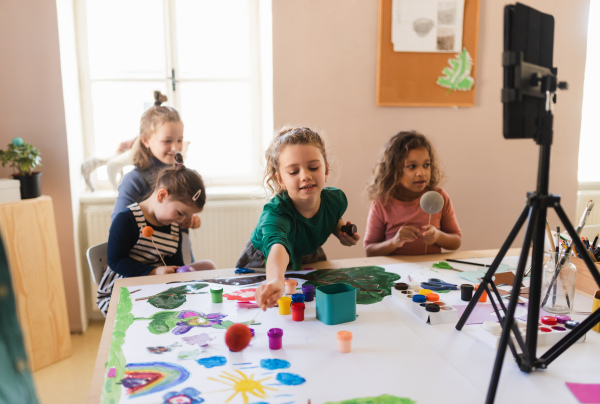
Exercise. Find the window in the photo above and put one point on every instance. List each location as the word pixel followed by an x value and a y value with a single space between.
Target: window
pixel 589 143
pixel 212 60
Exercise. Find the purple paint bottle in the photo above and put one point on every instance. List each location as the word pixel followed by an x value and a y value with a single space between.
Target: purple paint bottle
pixel 309 292
pixel 275 338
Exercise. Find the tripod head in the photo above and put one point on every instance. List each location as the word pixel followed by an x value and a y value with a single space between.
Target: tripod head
pixel 530 81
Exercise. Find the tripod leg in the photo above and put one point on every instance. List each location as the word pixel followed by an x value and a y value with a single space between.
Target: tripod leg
pixel 488 276
pixel 509 317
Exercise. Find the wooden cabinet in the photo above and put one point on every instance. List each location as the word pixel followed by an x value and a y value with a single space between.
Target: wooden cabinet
pixel 28 230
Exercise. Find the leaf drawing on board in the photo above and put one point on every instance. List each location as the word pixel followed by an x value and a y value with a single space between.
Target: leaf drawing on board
pixel 173 297
pixel 457 77
pixel 372 283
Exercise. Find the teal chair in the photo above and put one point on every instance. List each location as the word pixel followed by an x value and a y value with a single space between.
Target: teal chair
pixel 16 385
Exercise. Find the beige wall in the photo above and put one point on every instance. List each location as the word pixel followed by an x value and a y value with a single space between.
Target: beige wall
pixel 324 55
pixel 31 106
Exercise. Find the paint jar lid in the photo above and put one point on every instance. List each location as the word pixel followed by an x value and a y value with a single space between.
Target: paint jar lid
pixel 561 318
pixel 291 282
pixel 466 286
pixel 548 320
pixel 284 299
pixel 432 307
pixel 298 297
pixel 297 306
pixel 275 332
pixel 425 292
pixel 571 324
pixel 432 297
pixel 401 286
pixel 419 298
pixel 308 288
pixel 344 335
pixel 214 290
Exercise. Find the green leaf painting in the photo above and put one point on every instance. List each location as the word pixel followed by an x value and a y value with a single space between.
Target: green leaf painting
pixel 457 77
pixel 382 399
pixel 173 297
pixel 372 283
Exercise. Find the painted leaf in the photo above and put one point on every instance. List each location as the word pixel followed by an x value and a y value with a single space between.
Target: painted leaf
pixel 457 77
pixel 372 283
pixel 174 297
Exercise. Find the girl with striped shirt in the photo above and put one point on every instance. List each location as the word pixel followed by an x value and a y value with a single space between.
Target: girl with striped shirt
pixel 178 194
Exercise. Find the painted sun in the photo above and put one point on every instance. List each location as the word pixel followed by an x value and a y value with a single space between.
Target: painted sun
pixel 243 385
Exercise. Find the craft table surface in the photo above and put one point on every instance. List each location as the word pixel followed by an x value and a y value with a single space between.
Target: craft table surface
pixel 443 353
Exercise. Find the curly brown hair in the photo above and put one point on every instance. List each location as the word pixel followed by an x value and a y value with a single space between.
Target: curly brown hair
pixel 390 167
pixel 286 137
pixel 151 119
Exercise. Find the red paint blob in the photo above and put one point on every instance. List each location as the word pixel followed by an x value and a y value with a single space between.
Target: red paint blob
pixel 147 231
pixel 238 337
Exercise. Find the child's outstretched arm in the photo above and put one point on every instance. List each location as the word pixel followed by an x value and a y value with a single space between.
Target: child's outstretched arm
pixel 268 293
pixel 344 238
pixel 432 235
pixel 405 234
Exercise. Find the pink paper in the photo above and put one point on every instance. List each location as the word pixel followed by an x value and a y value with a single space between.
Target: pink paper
pixel 585 393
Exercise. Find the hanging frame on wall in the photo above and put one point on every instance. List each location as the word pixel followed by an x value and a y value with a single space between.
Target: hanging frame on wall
pixel 411 78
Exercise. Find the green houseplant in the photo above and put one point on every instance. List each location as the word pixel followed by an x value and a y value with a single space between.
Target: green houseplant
pixel 23 157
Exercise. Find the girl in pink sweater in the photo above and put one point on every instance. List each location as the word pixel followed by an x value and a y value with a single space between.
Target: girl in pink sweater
pixel 396 224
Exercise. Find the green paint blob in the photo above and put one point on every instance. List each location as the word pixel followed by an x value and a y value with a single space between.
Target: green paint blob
pixel 116 357
pixel 174 297
pixel 383 399
pixel 372 283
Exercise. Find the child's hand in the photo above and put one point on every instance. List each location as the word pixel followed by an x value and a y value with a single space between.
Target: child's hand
pixel 407 234
pixel 268 293
pixel 164 270
pixel 430 234
pixel 347 240
pixel 191 222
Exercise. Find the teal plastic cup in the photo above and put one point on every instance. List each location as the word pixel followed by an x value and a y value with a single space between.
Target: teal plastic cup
pixel 336 303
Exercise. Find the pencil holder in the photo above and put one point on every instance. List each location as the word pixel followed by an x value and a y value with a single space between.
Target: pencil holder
pixel 558 284
pixel 336 303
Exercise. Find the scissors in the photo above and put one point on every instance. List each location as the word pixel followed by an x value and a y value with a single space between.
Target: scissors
pixel 438 284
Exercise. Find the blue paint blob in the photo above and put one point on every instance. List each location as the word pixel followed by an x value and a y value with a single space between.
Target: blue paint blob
pixel 290 379
pixel 212 361
pixel 272 364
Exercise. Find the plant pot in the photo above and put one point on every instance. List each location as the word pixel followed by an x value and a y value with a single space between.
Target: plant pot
pixel 31 185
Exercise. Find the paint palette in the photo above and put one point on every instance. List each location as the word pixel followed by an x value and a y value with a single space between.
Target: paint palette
pixel 446 314
pixel 490 331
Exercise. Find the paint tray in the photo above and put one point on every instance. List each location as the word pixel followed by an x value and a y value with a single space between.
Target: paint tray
pixel 336 303
pixel 447 313
pixel 543 338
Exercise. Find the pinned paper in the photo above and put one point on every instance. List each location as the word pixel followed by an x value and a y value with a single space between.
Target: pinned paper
pixel 457 77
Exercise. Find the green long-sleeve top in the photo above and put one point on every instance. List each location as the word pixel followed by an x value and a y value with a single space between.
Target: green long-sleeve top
pixel 281 223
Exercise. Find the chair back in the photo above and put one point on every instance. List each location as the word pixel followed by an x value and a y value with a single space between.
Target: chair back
pixel 96 256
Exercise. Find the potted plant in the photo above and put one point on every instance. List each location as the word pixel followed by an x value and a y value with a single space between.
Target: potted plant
pixel 23 157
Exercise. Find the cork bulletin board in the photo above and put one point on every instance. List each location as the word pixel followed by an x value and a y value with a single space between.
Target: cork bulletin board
pixel 409 78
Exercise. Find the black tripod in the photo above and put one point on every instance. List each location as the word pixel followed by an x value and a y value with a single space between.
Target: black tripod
pixel 535 213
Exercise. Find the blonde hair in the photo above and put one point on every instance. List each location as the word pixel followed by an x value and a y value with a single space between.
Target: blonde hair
pixel 150 121
pixel 385 181
pixel 287 137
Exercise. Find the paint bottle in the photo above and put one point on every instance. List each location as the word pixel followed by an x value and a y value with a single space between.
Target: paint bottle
pixel 284 304
pixel 275 338
pixel 483 297
pixel 298 311
pixel 290 286
pixel 344 341
pixel 466 292
pixel 309 292
pixel 216 295
pixel 298 298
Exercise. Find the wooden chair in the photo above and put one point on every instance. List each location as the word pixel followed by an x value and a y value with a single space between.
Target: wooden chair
pixel 96 256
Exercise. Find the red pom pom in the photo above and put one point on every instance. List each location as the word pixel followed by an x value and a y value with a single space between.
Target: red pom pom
pixel 238 337
pixel 147 231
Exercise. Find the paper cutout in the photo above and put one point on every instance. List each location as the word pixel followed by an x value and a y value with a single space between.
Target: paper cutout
pixel 585 393
pixel 457 77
